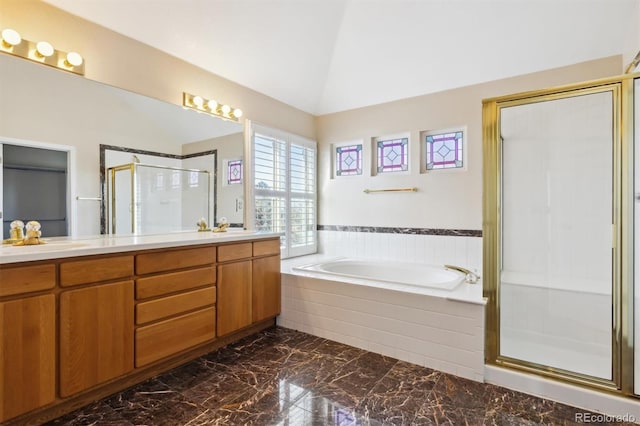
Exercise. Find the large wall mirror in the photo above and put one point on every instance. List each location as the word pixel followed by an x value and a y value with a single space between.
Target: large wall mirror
pixel 59 127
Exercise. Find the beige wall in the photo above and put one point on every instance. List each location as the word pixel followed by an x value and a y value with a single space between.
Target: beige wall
pixel 445 199
pixel 632 45
pixel 123 62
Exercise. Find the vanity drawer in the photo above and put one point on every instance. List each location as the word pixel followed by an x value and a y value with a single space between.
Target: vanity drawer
pixel 27 279
pixel 234 252
pixel 94 270
pixel 169 337
pixel 173 305
pixel 147 263
pixel 159 285
pixel 263 248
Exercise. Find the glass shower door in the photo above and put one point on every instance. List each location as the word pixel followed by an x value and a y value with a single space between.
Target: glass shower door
pixel 556 271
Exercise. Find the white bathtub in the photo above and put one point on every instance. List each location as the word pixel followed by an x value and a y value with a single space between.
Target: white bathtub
pixel 400 273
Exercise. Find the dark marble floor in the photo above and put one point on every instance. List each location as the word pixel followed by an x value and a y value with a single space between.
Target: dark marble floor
pixel 284 377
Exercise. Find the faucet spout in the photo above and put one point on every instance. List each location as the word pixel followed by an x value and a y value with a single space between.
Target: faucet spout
pixel 469 276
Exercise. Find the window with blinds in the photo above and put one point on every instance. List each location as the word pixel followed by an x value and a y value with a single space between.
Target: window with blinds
pixel 285 189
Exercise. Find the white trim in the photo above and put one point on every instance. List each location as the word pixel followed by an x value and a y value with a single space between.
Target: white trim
pixel 249 204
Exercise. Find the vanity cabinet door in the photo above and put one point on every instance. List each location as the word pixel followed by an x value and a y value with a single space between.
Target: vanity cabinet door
pixel 234 297
pixel 96 335
pixel 266 288
pixel 27 355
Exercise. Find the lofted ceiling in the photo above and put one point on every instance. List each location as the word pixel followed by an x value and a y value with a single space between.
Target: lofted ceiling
pixel 325 56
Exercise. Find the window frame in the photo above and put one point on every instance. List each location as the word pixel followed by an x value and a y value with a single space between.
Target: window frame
pixel 424 151
pixel 286 247
pixel 375 157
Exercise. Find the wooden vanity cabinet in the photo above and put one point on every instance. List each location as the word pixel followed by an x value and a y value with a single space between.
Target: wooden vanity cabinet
pixel 265 292
pixel 96 335
pixel 234 287
pixel 96 321
pixel 175 302
pixel 27 354
pixel 234 296
pixel 27 338
pixel 78 328
pixel 248 284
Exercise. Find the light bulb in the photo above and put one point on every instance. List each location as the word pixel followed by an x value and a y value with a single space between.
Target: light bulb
pixel 11 37
pixel 74 59
pixel 44 49
pixel 198 101
pixel 212 105
pixel 225 109
pixel 237 112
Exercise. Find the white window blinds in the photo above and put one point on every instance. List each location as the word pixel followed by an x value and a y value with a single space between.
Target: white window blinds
pixel 285 189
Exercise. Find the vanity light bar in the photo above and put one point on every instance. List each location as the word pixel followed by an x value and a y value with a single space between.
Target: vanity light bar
pixel 42 52
pixel 210 106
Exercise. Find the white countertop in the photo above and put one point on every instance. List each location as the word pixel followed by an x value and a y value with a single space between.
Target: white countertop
pixel 62 247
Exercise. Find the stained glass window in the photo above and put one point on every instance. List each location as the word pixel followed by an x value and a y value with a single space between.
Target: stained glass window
pixel 393 155
pixel 193 179
pixel 349 160
pixel 234 172
pixel 444 150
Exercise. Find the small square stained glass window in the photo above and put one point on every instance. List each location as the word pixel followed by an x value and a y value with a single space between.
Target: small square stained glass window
pixel 349 160
pixel 393 155
pixel 444 151
pixel 234 172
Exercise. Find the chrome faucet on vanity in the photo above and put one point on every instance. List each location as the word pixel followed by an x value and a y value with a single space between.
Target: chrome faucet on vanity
pixel 469 276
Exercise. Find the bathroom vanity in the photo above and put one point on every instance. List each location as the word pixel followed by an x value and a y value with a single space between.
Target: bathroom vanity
pixel 82 319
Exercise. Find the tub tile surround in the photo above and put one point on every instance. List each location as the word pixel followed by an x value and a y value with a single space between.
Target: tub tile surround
pixel 429 331
pixel 284 377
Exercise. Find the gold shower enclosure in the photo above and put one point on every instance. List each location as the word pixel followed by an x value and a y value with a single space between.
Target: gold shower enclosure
pixel 151 199
pixel 558 237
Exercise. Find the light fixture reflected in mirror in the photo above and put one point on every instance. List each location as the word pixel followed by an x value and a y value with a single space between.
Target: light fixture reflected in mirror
pixel 42 52
pixel 74 59
pixel 10 38
pixel 44 49
pixel 198 101
pixel 211 107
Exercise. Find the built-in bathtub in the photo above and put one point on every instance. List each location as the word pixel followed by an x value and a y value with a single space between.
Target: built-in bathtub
pixel 389 272
pixel 419 313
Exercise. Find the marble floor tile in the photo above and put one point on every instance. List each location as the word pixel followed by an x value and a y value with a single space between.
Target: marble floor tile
pixel 284 377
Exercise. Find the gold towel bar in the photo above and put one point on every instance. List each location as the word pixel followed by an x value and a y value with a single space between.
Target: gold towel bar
pixel 368 191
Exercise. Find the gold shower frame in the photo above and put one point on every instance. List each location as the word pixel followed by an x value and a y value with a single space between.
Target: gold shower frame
pixel 621 88
pixel 133 169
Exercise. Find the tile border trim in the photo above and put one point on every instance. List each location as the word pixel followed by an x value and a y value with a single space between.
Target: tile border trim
pixel 402 230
